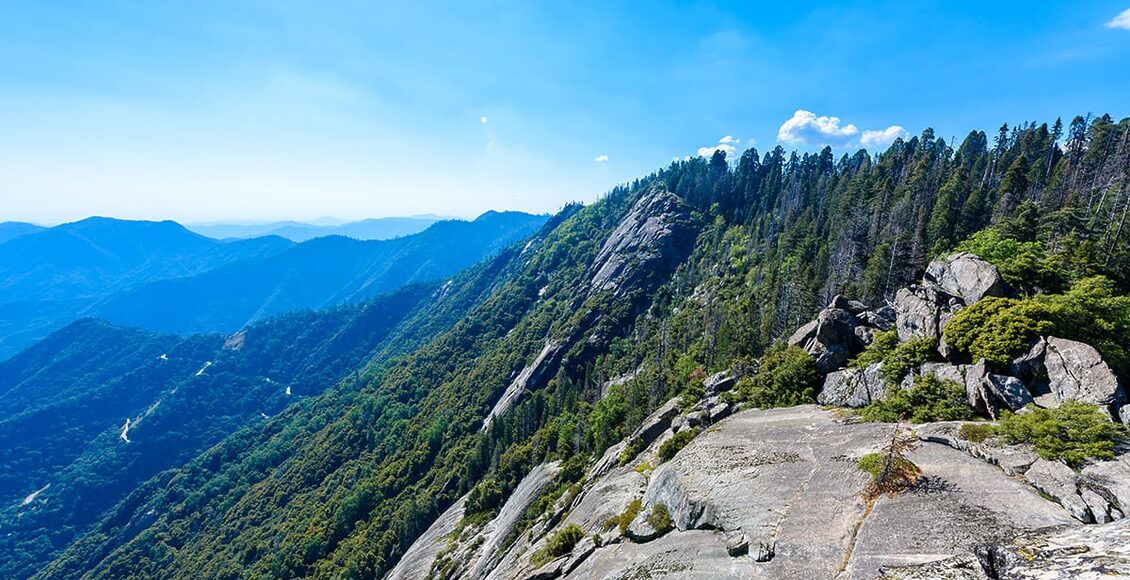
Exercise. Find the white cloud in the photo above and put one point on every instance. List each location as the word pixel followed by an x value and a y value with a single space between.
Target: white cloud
pixel 726 145
pixel 483 119
pixel 601 158
pixel 882 137
pixel 730 150
pixel 805 128
pixel 1121 21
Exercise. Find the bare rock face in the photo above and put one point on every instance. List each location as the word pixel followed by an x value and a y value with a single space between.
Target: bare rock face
pixel 646 246
pixel 417 560
pixel 1101 551
pixel 853 387
pixel 965 276
pixel 1077 372
pixel 1059 481
pixel 532 377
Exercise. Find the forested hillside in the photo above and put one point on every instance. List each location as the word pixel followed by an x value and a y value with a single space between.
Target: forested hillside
pixel 619 306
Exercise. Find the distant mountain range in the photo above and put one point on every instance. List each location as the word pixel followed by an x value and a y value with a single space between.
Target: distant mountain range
pixel 369 229
pixel 161 276
pixel 10 230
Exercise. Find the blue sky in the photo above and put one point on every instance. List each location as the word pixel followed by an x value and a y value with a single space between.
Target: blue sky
pixel 207 110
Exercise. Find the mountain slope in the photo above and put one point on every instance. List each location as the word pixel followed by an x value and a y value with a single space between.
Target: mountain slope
pixel 617 309
pixel 54 276
pixel 10 230
pixel 315 274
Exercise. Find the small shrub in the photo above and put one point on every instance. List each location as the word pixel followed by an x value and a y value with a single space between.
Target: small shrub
pixel 882 345
pixel 484 498
pixel 1074 433
pixel 998 329
pixel 906 356
pixel 631 450
pixel 629 514
pixel 660 518
pixel 645 468
pixel 559 544
pixel 891 472
pixel 678 441
pixel 786 376
pixel 930 399
pixel 975 432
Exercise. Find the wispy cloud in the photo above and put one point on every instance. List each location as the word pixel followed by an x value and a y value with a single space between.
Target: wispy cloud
pixel 601 158
pixel 1122 21
pixel 882 137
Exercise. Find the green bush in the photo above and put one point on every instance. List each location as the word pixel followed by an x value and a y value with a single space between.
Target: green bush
pixel 975 432
pixel 882 345
pixel 678 441
pixel 484 498
pixel 998 329
pixel 631 450
pixel 906 356
pixel 660 518
pixel 630 512
pixel 786 376
pixel 1024 265
pixel 1073 433
pixel 901 475
pixel 930 399
pixel 559 544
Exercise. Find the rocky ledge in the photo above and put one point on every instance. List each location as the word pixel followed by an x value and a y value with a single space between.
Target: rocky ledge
pixel 778 494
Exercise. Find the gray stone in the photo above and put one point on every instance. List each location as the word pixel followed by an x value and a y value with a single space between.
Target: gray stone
pixel 1099 507
pixel 1077 372
pixel 1002 392
pixel 855 307
pixel 533 376
pixel 864 334
pixel 657 422
pixel 584 548
pixel 719 412
pixel 1030 365
pixel 1101 551
pixel 853 387
pixel 719 382
pixel 918 313
pixel 736 544
pixel 830 338
pixel 965 276
pixel 1112 478
pixel 1059 481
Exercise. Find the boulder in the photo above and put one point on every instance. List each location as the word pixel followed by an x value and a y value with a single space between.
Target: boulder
pixel 918 313
pixel 1077 372
pixel 737 544
pixel 719 412
pixel 1030 365
pixel 657 422
pixel 830 338
pixel 965 276
pixel 853 387
pixel 719 382
pixel 1000 392
pixel 853 306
